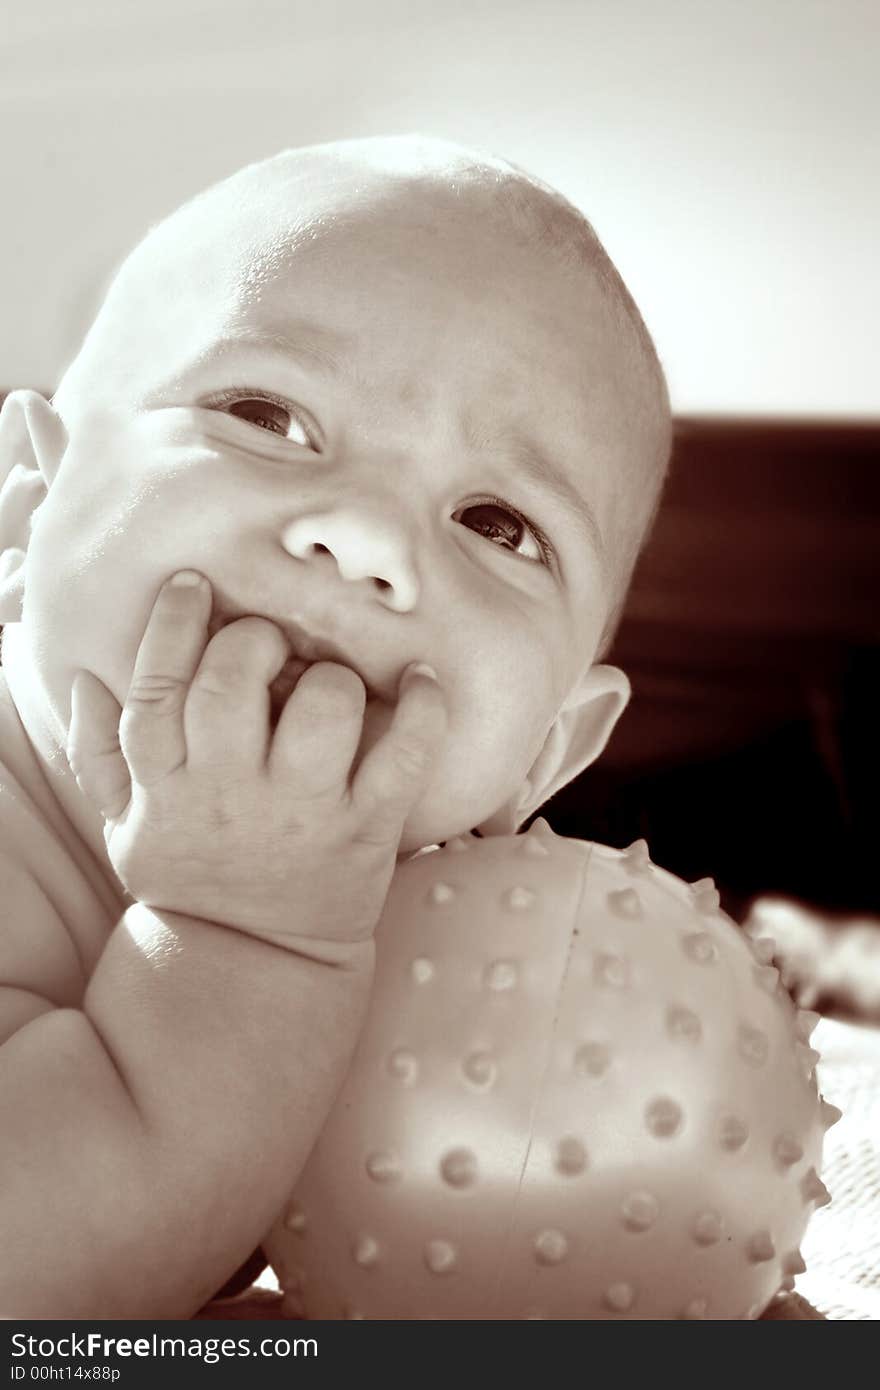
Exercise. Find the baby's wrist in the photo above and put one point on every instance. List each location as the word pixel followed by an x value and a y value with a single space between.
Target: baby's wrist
pixel 345 955
pixel 157 930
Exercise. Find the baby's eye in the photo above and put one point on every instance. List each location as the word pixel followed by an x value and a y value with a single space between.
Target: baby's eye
pixel 515 525
pixel 265 413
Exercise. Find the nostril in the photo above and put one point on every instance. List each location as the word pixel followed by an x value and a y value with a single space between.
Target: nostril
pixel 381 583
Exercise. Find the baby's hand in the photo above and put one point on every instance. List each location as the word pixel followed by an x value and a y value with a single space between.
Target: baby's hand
pixel 210 816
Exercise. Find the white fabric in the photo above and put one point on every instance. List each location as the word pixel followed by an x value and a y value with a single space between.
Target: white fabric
pixel 842 1244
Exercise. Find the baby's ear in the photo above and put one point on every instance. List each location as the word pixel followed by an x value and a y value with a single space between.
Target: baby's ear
pixel 577 736
pixel 32 444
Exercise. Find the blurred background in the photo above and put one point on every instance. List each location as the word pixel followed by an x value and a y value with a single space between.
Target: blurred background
pixel 726 152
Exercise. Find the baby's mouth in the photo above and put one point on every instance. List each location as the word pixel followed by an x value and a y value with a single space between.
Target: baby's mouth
pixel 284 684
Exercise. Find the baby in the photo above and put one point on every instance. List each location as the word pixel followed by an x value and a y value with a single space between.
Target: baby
pixel 358 410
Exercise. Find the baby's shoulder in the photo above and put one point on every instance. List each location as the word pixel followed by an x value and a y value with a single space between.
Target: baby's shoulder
pixel 50 923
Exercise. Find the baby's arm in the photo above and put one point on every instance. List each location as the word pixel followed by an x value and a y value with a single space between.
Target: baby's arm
pixel 149 1138
pixel 150 1135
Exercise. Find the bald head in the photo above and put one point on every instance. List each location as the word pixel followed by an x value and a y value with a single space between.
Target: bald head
pixel 203 266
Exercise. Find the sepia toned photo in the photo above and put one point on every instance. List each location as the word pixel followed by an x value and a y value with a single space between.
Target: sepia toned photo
pixel 439 518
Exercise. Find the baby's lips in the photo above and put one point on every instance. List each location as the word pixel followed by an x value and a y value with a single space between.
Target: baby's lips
pixel 306 650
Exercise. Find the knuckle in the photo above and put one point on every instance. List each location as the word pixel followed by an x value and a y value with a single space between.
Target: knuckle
pixel 376 833
pixel 411 758
pixel 217 678
pixel 154 691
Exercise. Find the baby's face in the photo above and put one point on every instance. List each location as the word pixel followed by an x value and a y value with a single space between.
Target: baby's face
pixel 356 440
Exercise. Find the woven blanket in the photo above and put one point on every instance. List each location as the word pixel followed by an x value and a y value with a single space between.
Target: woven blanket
pixel 842 1244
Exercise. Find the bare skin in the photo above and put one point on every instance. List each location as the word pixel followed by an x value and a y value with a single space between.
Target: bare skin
pixel 144 1103
pixel 346 426
pixel 193 748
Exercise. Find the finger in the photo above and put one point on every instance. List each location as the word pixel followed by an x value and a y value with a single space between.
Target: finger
pixel 93 749
pixel 151 730
pixel 319 730
pixel 227 709
pixel 396 771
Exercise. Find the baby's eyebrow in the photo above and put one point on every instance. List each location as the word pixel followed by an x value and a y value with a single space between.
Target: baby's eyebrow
pixel 297 338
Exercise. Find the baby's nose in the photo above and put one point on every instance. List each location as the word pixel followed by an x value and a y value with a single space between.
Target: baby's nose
pixel 364 547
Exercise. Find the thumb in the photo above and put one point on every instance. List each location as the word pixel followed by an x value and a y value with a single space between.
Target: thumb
pixel 93 749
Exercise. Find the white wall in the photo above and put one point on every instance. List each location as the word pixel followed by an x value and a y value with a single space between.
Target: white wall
pixel 726 151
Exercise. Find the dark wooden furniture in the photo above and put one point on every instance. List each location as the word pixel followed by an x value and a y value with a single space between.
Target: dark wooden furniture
pixel 749 751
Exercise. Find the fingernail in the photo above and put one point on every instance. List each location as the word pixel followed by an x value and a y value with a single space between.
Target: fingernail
pixel 421 668
pixel 185 579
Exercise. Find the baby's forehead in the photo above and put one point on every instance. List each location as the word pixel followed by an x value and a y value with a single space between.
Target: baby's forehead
pixel 244 257
pixel 268 214
pixel 422 219
pixel 238 249
pixel 229 257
